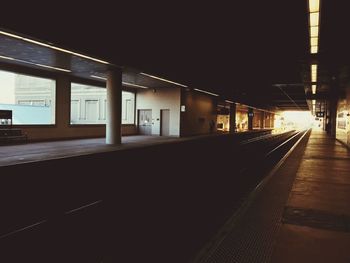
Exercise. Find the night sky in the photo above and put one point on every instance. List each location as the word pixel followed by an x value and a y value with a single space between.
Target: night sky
pixel 238 49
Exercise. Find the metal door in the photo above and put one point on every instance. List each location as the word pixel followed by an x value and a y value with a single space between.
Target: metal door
pixel 145 122
pixel 164 122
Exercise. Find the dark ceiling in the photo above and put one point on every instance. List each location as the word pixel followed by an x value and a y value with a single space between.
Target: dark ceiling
pixel 239 49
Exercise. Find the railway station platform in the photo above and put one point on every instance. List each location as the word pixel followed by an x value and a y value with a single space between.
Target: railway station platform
pixel 299 213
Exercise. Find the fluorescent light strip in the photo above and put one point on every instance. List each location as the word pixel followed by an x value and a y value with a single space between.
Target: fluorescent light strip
pixel 169 81
pixel 35 64
pixel 135 85
pixel 314 6
pixel 313 31
pixel 52 47
pixel 314 68
pixel 97 77
pixel 314 41
pixel 210 93
pixel 313 88
pixel 8 58
pixel 314 19
pixel 123 82
pixel 313 72
pixel 314 49
pixel 229 101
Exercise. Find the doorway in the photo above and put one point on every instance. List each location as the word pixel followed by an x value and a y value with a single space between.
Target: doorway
pixel 164 122
pixel 145 122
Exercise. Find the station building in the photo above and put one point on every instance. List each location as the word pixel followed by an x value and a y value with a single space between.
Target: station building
pixel 57 94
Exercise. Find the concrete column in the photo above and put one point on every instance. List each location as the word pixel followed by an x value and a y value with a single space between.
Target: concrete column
pixel 232 118
pixel 333 117
pixel 114 106
pixel 250 119
pixel 62 103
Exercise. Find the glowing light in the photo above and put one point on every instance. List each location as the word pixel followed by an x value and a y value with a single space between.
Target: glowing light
pixel 8 58
pixel 314 68
pixel 123 82
pixel 135 85
pixel 35 64
pixel 313 78
pixel 314 19
pixel 313 88
pixel 52 47
pixel 314 31
pixel 314 6
pixel 314 49
pixel 314 41
pixel 207 92
pixel 313 72
pixel 97 77
pixel 229 101
pixel 313 102
pixel 165 80
pixel 294 120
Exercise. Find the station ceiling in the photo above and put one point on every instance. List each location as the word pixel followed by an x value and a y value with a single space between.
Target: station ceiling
pixel 254 52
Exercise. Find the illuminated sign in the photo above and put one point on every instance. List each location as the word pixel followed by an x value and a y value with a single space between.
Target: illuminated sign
pixel 320 114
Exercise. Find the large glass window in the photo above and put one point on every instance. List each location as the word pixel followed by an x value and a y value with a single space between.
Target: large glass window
pixel 31 99
pixel 89 105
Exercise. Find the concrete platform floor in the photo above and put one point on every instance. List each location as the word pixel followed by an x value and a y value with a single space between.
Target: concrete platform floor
pixel 302 214
pixel 316 222
pixel 39 151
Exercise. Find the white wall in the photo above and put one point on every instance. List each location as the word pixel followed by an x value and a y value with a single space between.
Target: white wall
pixel 163 98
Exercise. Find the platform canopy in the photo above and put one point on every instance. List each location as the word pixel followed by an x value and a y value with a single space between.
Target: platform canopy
pixel 16 49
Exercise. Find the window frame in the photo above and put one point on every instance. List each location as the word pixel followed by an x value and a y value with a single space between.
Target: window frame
pixel 31 72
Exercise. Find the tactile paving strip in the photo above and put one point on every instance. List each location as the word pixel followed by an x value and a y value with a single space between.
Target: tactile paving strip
pixel 316 219
pixel 251 238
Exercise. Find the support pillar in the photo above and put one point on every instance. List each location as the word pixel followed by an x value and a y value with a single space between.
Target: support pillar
pixel 250 119
pixel 233 118
pixel 333 117
pixel 114 106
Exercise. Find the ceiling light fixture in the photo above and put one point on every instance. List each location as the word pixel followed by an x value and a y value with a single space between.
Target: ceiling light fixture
pixel 135 85
pixel 52 47
pixel 98 77
pixel 313 88
pixel 165 80
pixel 314 6
pixel 35 64
pixel 207 92
pixel 314 19
pixel 123 82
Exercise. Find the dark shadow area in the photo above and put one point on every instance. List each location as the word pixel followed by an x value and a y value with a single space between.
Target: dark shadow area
pixel 159 203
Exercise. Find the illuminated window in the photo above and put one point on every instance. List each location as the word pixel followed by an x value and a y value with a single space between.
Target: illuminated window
pixel 89 105
pixel 31 99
